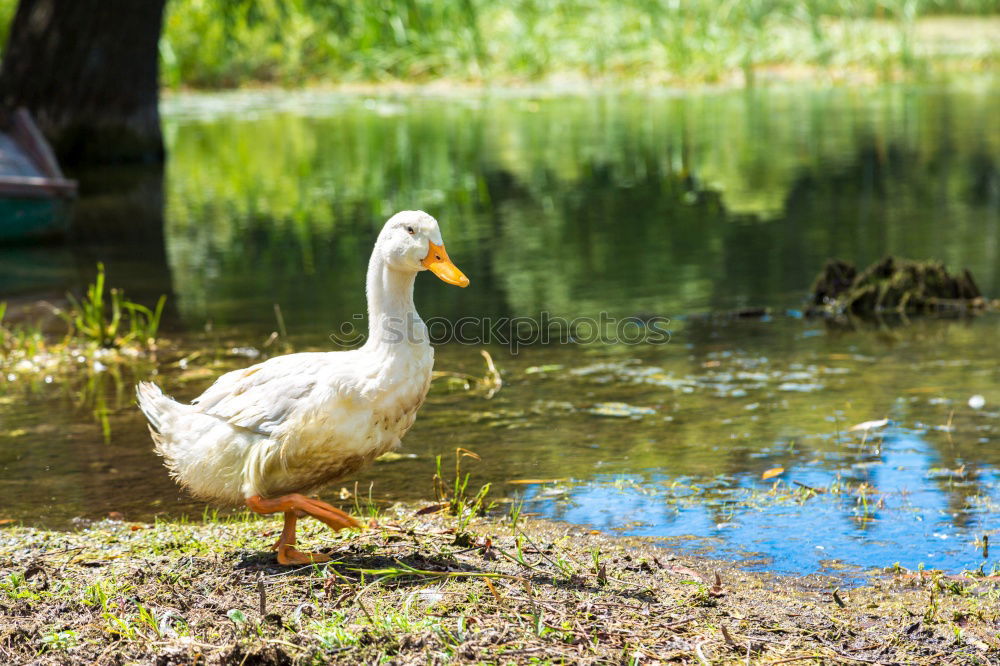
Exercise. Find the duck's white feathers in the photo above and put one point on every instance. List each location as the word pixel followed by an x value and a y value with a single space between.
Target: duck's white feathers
pixel 289 424
pixel 262 397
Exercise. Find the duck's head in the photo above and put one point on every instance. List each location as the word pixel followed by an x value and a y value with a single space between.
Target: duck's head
pixel 411 241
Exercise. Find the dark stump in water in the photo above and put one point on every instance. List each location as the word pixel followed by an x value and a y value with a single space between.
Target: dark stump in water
pixel 893 285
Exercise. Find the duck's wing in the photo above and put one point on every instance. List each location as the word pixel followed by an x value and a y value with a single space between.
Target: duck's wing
pixel 261 398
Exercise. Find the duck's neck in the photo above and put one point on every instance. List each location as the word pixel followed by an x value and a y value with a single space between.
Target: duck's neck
pixel 393 322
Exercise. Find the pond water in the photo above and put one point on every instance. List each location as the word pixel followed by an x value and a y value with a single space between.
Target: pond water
pixel 678 207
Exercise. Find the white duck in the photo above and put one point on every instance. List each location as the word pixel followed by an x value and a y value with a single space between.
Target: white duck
pixel 265 435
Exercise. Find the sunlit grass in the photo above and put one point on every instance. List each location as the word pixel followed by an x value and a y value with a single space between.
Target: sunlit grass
pixel 291 42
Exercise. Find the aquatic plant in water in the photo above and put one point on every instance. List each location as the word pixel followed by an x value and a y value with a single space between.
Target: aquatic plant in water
pixel 106 334
pixel 114 322
pixel 103 329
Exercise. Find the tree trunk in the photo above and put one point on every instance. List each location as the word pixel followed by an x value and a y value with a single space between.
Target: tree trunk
pixel 88 72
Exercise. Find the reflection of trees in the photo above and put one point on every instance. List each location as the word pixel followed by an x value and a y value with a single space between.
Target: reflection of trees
pixel 577 206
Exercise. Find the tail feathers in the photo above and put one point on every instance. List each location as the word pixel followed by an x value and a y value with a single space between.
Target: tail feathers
pixel 159 409
pixel 201 451
pixel 150 398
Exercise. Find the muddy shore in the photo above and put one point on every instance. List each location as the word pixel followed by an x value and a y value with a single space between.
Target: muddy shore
pixel 421 585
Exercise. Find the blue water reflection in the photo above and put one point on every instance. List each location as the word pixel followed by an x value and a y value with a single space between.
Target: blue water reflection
pixel 886 501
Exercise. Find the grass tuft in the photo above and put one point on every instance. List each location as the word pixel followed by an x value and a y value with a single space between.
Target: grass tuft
pixel 111 321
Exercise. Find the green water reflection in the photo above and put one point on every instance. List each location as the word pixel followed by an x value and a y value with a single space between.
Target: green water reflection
pixel 574 206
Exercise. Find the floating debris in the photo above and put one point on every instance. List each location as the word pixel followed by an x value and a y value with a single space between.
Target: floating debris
pixel 549 407
pixel 869 425
pixel 488 384
pixel 800 387
pixel 620 410
pixel 541 369
pixel 394 456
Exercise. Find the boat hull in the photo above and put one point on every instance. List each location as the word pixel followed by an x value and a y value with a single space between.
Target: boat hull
pixel 27 219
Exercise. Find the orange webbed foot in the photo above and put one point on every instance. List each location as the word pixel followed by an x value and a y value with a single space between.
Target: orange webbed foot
pixel 287 556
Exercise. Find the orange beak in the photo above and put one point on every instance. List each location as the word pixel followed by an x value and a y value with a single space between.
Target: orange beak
pixel 437 261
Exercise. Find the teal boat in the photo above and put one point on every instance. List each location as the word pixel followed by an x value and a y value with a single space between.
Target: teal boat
pixel 35 197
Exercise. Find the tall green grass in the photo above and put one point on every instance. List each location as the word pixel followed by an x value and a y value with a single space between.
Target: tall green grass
pixel 220 43
pixel 228 43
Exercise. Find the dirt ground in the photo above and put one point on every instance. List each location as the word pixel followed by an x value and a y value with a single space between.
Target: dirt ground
pixel 424 586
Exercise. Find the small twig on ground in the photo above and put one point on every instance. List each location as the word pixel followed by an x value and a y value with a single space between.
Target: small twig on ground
pixel 701 655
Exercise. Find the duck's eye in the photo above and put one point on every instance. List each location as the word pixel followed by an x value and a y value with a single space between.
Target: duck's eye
pixel 409 230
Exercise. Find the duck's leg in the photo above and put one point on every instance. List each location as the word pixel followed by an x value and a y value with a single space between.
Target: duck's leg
pixel 291 505
pixel 288 531
pixel 286 543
